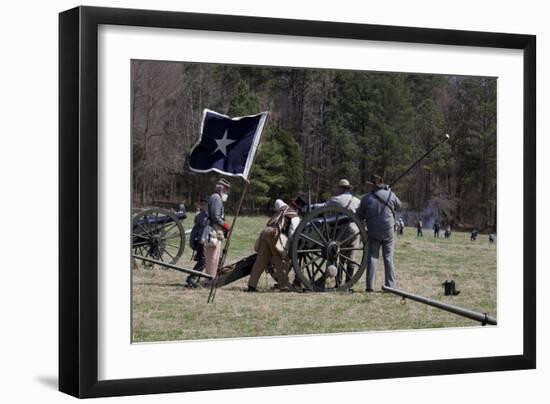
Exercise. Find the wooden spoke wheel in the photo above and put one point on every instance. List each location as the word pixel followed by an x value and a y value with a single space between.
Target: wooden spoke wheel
pixel 329 249
pixel 158 234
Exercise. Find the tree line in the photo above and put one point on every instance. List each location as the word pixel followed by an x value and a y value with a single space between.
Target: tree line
pixel 323 125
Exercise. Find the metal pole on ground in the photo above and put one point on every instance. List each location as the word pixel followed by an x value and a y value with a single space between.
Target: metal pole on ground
pixel 483 318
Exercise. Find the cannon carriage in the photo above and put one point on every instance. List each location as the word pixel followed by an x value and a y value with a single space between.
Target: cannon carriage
pixel 158 234
pixel 329 249
pixel 328 252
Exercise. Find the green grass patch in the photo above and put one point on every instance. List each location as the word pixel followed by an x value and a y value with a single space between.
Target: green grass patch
pixel 164 310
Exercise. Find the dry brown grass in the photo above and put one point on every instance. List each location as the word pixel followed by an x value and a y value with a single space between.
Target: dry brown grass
pixel 164 310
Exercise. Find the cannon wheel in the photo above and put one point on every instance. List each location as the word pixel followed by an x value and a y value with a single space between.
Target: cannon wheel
pixel 329 249
pixel 157 233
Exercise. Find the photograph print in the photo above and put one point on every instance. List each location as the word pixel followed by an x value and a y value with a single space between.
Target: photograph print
pixel 270 201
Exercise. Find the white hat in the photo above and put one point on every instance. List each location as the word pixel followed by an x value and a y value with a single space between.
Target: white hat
pixel 279 204
pixel 343 183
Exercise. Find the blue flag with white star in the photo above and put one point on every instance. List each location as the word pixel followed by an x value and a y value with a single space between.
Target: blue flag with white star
pixel 227 145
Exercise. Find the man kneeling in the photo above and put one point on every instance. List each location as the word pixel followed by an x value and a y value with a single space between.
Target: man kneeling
pixel 272 246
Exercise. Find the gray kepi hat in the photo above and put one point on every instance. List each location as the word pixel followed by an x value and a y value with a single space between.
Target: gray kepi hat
pixel 224 182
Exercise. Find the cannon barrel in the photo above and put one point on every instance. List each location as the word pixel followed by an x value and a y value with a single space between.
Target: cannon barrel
pixel 159 220
pixel 330 221
pixel 483 318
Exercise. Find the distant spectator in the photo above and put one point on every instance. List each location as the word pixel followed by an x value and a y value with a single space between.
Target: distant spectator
pixel 436 229
pixel 419 228
pixel 473 236
pixel 447 231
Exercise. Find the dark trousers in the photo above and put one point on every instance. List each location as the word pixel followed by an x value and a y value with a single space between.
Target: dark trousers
pixel 200 257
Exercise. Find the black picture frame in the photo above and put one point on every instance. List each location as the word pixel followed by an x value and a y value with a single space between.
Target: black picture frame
pixel 78 201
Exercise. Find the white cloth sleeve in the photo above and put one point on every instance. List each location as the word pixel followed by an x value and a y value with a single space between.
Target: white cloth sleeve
pixel 294 222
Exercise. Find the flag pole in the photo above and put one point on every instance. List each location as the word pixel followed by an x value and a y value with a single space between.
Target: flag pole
pixel 214 284
pixel 226 248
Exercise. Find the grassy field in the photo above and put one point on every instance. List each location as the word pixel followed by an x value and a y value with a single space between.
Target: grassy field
pixel 164 310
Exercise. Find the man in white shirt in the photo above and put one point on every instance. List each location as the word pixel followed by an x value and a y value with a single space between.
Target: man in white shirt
pixel 272 245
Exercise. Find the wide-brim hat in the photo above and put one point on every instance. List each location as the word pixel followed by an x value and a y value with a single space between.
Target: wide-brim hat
pixel 224 182
pixel 376 180
pixel 343 183
pixel 298 203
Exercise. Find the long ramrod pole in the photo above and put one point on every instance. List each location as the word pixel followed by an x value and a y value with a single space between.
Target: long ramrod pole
pixel 413 165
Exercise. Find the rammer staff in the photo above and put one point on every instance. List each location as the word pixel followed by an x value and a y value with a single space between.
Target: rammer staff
pixel 445 139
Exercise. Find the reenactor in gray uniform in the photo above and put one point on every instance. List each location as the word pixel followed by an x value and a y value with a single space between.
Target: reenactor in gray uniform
pixel 378 209
pixel 217 228
pixel 343 197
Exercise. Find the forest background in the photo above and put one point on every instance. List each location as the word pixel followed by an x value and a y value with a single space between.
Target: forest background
pixel 323 125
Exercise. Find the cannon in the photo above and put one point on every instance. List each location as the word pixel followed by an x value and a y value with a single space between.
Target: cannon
pixel 158 234
pixel 328 250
